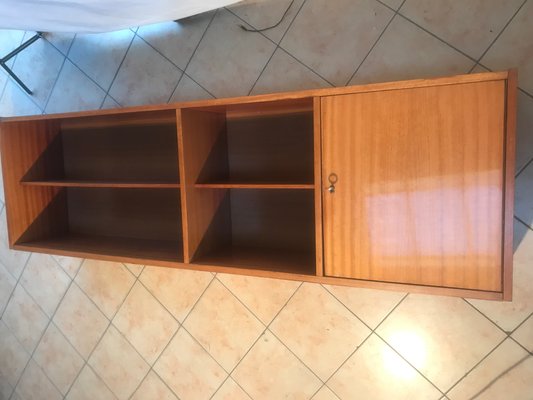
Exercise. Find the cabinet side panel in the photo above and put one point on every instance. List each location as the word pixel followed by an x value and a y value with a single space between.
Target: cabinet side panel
pixel 420 185
pixel 510 159
pixel 22 145
pixel 198 132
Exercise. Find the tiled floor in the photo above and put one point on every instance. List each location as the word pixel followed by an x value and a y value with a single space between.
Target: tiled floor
pixel 82 329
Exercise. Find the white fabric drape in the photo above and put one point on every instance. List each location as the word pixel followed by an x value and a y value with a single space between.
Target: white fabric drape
pixel 78 16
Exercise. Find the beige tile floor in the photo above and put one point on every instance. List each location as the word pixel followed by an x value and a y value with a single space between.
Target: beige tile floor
pixel 82 329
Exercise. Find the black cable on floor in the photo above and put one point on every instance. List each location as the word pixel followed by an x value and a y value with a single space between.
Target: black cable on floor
pixel 244 28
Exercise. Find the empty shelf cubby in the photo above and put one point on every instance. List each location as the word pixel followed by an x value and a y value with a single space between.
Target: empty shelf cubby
pixel 129 223
pixel 262 229
pixel 110 152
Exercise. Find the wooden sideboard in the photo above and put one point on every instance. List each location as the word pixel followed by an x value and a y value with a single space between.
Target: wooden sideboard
pixel 404 185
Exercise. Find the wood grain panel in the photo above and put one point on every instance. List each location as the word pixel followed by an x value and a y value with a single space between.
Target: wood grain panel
pixel 22 144
pixel 419 192
pixel 508 205
pixel 197 133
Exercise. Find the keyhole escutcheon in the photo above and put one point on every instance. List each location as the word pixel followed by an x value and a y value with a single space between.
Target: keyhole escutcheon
pixel 332 178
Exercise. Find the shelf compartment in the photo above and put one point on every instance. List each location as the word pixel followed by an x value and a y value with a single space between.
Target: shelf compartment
pixel 102 184
pixel 134 223
pixel 261 149
pixel 142 150
pixel 261 229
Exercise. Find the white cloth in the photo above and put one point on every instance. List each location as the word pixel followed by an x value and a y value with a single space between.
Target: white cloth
pixel 79 16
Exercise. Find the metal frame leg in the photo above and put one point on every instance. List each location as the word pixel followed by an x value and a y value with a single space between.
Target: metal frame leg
pixel 4 60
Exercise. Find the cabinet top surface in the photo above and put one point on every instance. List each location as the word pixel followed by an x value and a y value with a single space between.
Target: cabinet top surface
pixel 458 79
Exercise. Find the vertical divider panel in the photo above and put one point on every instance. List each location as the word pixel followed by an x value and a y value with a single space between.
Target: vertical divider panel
pixel 22 144
pixel 317 136
pixel 197 133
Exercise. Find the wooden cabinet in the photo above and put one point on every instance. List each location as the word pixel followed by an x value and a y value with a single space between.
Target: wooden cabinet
pixel 405 185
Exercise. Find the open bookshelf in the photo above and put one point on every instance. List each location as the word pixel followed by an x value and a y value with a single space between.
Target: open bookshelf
pixel 248 175
pixel 113 187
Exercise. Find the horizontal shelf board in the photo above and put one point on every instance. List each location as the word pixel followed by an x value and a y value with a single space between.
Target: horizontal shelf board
pixel 102 184
pixel 297 262
pixel 232 185
pixel 146 249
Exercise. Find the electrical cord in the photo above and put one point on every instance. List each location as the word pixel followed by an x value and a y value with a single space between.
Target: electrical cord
pixel 246 29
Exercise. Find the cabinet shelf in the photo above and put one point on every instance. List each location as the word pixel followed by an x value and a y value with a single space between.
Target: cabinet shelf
pixel 291 261
pixel 102 184
pixel 246 185
pixel 127 247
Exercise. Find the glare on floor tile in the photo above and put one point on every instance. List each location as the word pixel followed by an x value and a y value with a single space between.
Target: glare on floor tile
pixel 412 346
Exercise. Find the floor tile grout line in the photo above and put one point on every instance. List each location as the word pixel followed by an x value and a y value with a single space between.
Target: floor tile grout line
pixel 465 375
pixel 258 338
pixel 530 353
pixel 346 307
pixel 285 50
pixel 501 31
pixel 262 71
pixel 390 7
pixel 191 57
pixel 50 321
pixel 117 71
pixel 411 364
pixel 372 331
pixel 523 223
pixel 158 52
pixel 437 37
pixel 16 284
pixel 307 66
pixel 110 322
pixel 195 81
pixel 523 168
pixel 177 330
pixel 8 78
pixel 58 74
pixel 297 356
pixel 124 335
pixel 525 92
pixel 373 46
pixel 345 361
pixel 276 43
pixel 57 48
pixel 40 340
pixel 485 316
pixel 184 318
pixel 520 324
pixel 240 301
pixel 530 95
pixel 166 57
pixel 159 301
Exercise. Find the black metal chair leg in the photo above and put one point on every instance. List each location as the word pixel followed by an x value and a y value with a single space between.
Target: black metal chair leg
pixel 4 60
